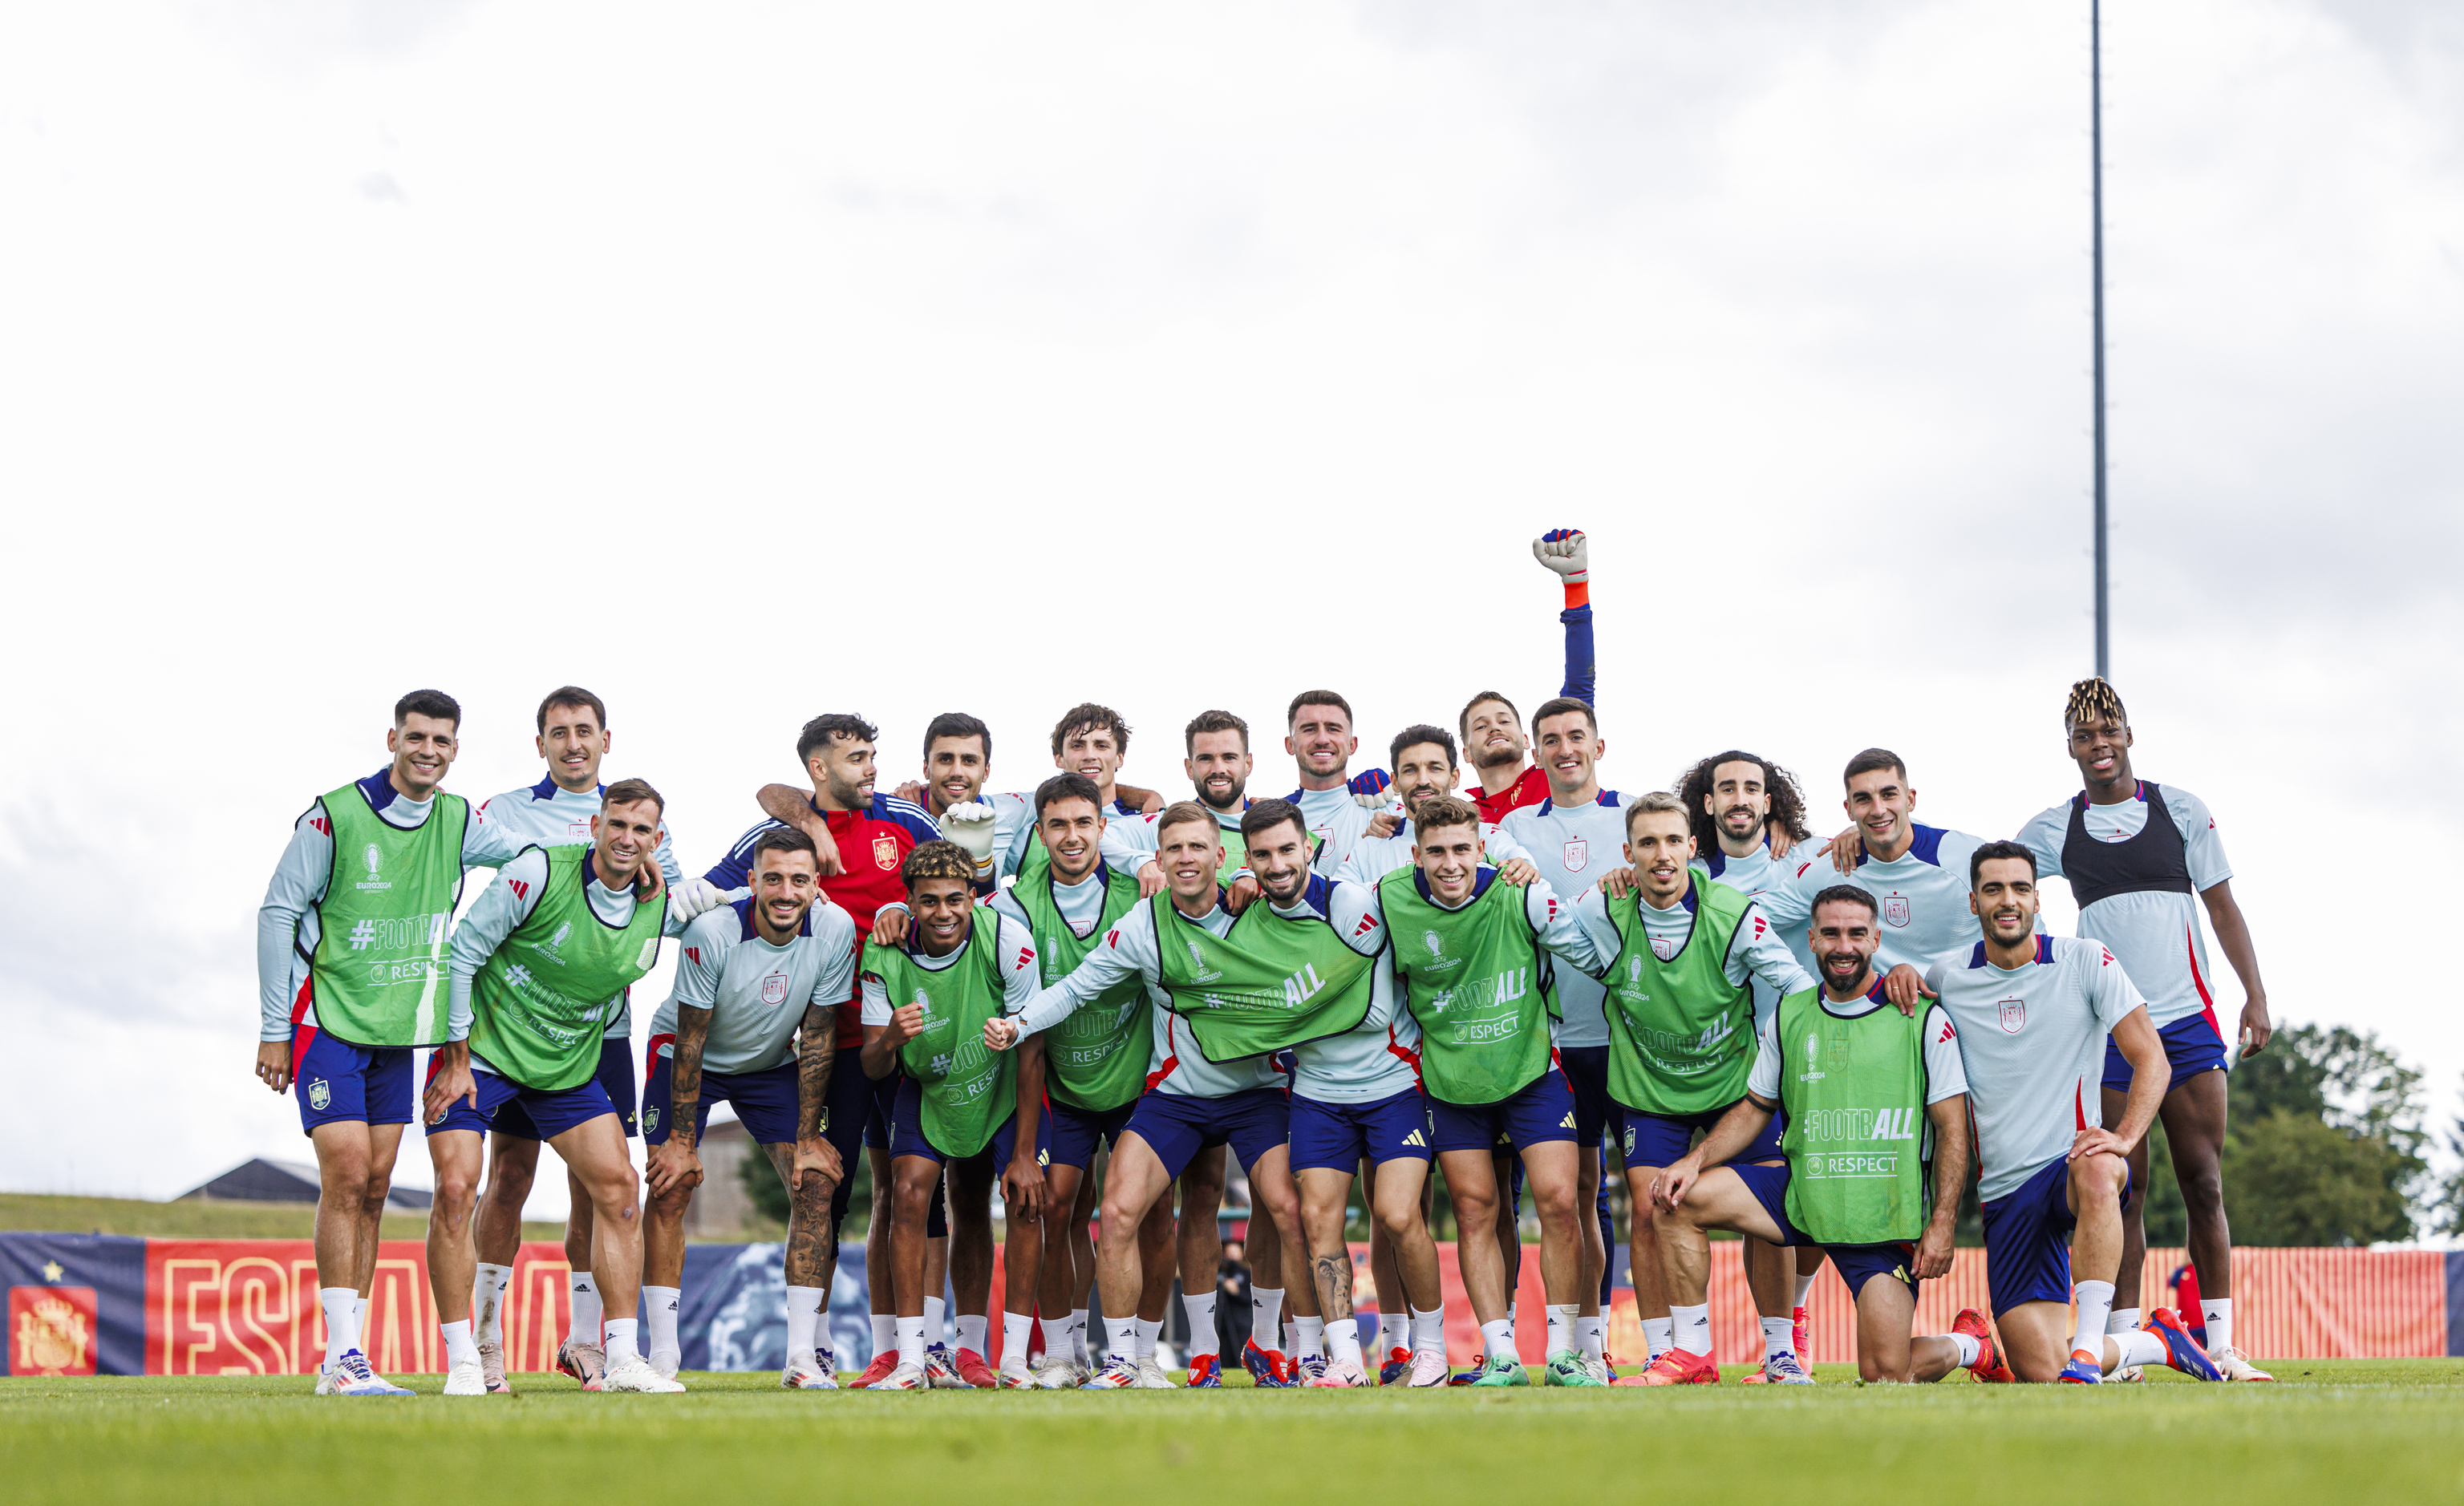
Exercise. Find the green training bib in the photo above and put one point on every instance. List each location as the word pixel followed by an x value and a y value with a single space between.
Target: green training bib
pixel 969 1089
pixel 1857 1139
pixel 1270 984
pixel 540 1002
pixel 1095 1059
pixel 1681 1034
pixel 379 973
pixel 1477 982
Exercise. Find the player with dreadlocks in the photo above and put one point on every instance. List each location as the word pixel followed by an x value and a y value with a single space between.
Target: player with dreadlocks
pixel 2136 853
pixel 1748 814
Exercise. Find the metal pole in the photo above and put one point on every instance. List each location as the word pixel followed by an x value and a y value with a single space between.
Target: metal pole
pixel 2096 202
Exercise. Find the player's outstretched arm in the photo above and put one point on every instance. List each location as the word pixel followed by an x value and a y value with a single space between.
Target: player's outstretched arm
pixel 790 806
pixel 2232 938
pixel 1566 553
pixel 1950 1164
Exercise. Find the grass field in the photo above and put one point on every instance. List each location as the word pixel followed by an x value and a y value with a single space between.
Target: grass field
pixel 2333 1431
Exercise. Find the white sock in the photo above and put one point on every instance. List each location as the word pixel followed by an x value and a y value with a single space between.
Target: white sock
pixel 659 1304
pixel 2139 1346
pixel 1659 1336
pixel 1148 1334
pixel 2218 1313
pixel 1343 1340
pixel 1561 1327
pixel 1293 1340
pixel 936 1314
pixel 910 1341
pixel 1265 1309
pixel 360 1321
pixel 1805 1284
pixel 885 1332
pixel 972 1328
pixel 1309 1338
pixel 1057 1332
pixel 2095 1302
pixel 1429 1332
pixel 1202 1339
pixel 1967 1346
pixel 341 1320
pixel 1079 1349
pixel 1497 1340
pixel 458 1344
pixel 1779 1337
pixel 488 1301
pixel 620 1338
pixel 1691 1327
pixel 803 1321
pixel 1592 1334
pixel 586 1314
pixel 1016 1327
pixel 1121 1337
pixel 1392 1333
pixel 2122 1319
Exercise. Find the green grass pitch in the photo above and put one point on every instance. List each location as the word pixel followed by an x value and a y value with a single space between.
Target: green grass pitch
pixel 2331 1431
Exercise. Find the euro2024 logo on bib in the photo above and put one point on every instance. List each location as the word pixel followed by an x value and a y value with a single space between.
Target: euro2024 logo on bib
pixel 373 858
pixel 1813 1056
pixel 1201 973
pixel 1895 910
pixel 773 988
pixel 2012 1014
pixel 1577 854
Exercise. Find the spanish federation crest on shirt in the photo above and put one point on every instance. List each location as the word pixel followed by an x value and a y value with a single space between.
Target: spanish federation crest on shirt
pixel 885 853
pixel 2012 1015
pixel 1577 854
pixel 773 988
pixel 1895 909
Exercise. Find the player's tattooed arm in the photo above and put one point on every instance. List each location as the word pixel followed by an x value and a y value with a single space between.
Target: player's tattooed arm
pixel 675 1167
pixel 790 806
pixel 1949 1184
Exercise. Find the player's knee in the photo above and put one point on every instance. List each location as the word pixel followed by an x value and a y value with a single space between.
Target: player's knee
pixel 1555 1205
pixel 457 1187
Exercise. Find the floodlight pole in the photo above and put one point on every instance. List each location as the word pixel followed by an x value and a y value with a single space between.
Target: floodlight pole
pixel 2096 256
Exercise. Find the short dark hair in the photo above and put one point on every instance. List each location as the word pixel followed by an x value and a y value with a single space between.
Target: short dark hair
pixel 933 859
pixel 1565 706
pixel 1786 801
pixel 1292 713
pixel 1072 786
pixel 1843 894
pixel 1988 852
pixel 632 791
pixel 1446 810
pixel 1263 816
pixel 1181 813
pixel 1414 736
pixel 957 724
pixel 1213 722
pixel 824 729
pixel 429 702
pixel 1872 759
pixel 783 839
pixel 572 695
pixel 1088 716
pixel 1463 718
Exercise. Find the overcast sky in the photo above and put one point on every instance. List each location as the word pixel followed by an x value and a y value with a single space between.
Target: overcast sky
pixel 742 363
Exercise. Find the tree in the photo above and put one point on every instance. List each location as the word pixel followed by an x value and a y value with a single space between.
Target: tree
pixel 2323 1145
pixel 2448 1212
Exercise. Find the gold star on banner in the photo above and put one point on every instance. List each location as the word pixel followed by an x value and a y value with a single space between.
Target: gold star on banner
pixel 52 1271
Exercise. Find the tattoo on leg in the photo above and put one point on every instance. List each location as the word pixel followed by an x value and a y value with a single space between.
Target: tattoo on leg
pixel 1333 1285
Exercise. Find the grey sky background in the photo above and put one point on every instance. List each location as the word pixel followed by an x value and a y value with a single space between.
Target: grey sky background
pixel 752 362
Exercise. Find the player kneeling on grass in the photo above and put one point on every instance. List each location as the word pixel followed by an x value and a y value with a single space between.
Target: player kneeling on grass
pixel 538 967
pixel 2033 1013
pixel 752 975
pixel 1872 1100
pixel 926 1003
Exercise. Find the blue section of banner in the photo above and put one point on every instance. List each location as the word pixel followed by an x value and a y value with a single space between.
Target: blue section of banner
pixel 733 1308
pixel 2455 1301
pixel 111 1266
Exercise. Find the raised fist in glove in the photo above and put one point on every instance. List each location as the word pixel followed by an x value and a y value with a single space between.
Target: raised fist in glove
pixel 971 826
pixel 1564 551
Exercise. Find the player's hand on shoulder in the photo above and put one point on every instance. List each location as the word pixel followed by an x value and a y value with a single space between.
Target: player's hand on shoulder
pixel 890 925
pixel 1903 985
pixel 1844 849
pixel 912 791
pixel 1617 884
pixel 273 1063
pixel 1518 872
pixel 694 898
pixel 825 846
pixel 1369 787
pixel 1244 888
pixel 647 881
pixel 1151 880
pixel 970 824
pixel 1775 836
pixel 1001 1033
pixel 1385 823
pixel 1566 551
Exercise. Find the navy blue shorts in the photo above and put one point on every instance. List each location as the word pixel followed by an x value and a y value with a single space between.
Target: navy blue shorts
pixel 2027 1239
pixel 1077 1131
pixel 2192 1044
pixel 907 1134
pixel 1178 1126
pixel 1337 1137
pixel 765 1101
pixel 885 1108
pixel 1662 1140
pixel 549 1112
pixel 335 1081
pixel 615 1076
pixel 1597 1117
pixel 1857 1264
pixel 1540 1111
